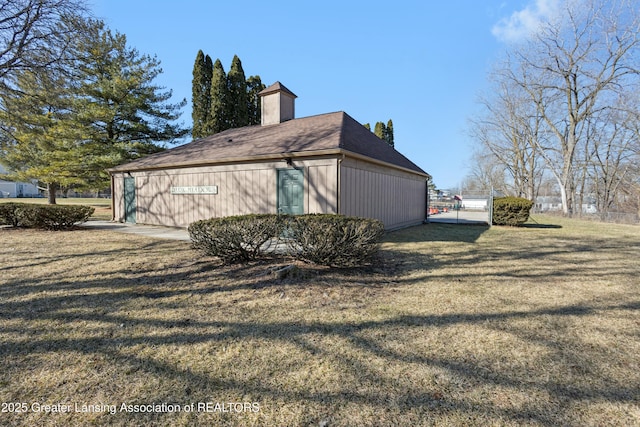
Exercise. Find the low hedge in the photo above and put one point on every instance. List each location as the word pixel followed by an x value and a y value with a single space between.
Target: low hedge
pixel 513 211
pixel 235 238
pixel 9 214
pixel 333 240
pixel 47 217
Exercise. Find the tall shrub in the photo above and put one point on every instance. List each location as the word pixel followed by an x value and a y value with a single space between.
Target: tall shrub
pixel 512 211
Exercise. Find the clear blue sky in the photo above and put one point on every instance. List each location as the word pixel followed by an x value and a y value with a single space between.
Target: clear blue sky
pixel 420 63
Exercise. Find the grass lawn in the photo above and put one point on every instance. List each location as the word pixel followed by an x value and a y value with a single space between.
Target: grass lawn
pixel 102 206
pixel 454 325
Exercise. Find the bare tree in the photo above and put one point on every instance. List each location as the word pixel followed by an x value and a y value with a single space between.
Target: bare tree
pixel 627 199
pixel 609 155
pixel 34 34
pixel 486 173
pixel 508 131
pixel 573 69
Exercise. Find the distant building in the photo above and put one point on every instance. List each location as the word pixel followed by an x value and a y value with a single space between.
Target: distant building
pixel 475 203
pixel 547 204
pixel 554 204
pixel 16 189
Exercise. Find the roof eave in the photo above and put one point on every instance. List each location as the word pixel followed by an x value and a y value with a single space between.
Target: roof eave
pixel 227 160
pixel 383 163
pixel 265 157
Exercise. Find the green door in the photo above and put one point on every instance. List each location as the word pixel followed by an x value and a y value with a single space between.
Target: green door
pixel 290 191
pixel 130 200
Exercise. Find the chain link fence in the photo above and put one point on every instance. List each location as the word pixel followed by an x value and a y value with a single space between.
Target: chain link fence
pixel 470 208
pixel 609 217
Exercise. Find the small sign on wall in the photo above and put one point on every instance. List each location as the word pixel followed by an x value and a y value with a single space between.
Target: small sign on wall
pixel 200 189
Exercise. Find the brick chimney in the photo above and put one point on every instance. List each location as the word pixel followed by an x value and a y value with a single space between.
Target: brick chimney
pixel 277 104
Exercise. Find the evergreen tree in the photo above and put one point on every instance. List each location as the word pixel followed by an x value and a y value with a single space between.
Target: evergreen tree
pixel 379 130
pixel 254 86
pixel 66 132
pixel 201 94
pixel 367 126
pixel 208 64
pixel 382 131
pixel 33 145
pixel 237 99
pixel 389 133
pixel 119 113
pixel 231 100
pixel 218 112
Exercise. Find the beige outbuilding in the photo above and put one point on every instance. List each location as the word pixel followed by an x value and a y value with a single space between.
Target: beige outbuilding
pixel 327 163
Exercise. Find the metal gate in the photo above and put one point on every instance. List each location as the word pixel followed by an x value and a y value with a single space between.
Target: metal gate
pixel 465 208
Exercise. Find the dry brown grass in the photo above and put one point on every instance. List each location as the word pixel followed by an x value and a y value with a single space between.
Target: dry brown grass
pixel 454 325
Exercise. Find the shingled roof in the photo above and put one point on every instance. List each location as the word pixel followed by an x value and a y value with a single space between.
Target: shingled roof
pixel 324 134
pixel 276 87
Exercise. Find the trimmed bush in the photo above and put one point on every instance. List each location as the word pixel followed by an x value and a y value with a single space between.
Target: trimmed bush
pixel 47 217
pixel 9 214
pixel 513 211
pixel 334 240
pixel 235 238
pixel 53 217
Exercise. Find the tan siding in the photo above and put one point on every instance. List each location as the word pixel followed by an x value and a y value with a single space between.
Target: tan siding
pixel 224 189
pixel 142 189
pixel 255 185
pixel 395 197
pixel 311 180
pixel 264 190
pixel 247 188
pixel 246 192
pixel 322 189
pixel 118 197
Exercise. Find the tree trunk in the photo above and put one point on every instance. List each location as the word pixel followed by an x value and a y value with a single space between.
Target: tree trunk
pixel 563 196
pixel 582 188
pixel 52 189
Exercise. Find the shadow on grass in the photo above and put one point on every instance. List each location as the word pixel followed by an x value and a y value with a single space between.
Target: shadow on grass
pixel 438 232
pixel 365 339
pixel 542 226
pixel 127 339
pixel 532 223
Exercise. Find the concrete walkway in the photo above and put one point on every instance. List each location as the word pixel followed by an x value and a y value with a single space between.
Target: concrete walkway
pixel 143 230
pixel 461 217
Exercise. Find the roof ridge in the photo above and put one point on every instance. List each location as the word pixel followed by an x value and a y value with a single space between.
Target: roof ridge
pixel 342 129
